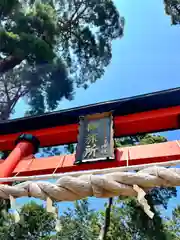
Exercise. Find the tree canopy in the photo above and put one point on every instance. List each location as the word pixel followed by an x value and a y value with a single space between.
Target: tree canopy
pixel 35 224
pixel 50 47
pixel 172 8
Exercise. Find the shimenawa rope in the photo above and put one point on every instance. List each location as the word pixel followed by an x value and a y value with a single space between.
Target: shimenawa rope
pixel 70 188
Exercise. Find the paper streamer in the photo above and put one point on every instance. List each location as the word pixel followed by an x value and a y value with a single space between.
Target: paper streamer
pixel 13 209
pixel 58 226
pixel 143 201
pixel 51 209
pixel 49 205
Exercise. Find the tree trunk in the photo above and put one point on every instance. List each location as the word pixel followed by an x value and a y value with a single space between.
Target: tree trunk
pixel 107 220
pixel 9 63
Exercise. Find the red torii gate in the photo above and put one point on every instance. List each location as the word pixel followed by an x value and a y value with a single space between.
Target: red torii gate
pixel 154 112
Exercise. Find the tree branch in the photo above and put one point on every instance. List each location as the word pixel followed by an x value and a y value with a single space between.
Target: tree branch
pixel 6 92
pixel 17 97
pixel 107 220
pixel 76 11
pixel 9 63
pixel 79 15
pixel 67 26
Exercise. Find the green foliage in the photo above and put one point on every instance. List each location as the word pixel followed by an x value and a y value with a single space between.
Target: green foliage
pixel 120 225
pixel 57 45
pixel 8 7
pixel 151 139
pixel 70 148
pixel 80 223
pixel 172 8
pixel 161 196
pixel 173 224
pixel 35 223
pixel 139 140
pixel 42 86
pixel 142 225
pixel 25 33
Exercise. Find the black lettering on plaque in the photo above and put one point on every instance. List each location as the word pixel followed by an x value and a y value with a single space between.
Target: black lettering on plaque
pixel 95 141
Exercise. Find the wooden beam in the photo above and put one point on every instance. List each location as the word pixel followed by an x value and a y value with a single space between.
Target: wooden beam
pixel 135 155
pixel 144 122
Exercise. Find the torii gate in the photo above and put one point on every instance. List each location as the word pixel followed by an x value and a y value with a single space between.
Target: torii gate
pixel 155 112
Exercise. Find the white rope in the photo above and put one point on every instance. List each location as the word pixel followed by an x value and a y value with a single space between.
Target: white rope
pixel 71 188
pixel 87 172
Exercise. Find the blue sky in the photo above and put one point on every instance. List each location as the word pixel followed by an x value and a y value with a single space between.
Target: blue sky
pixel 145 60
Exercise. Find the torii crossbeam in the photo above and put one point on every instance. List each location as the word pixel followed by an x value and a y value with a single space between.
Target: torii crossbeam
pixel 154 112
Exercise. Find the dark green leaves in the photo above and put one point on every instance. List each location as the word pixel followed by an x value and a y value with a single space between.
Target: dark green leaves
pixel 73 37
pixel 35 223
pixel 172 8
pixel 7 7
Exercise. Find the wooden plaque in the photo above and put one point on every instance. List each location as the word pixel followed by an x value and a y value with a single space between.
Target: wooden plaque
pixel 95 140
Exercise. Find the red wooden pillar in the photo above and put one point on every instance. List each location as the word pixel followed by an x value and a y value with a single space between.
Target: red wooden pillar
pixel 26 145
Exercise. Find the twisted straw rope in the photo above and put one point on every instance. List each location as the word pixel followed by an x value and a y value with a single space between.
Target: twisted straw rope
pixel 70 188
